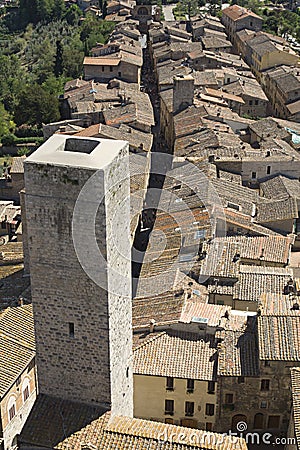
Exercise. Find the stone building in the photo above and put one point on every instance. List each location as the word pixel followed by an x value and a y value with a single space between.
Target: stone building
pixel 236 18
pixel 14 181
pixel 82 315
pixel 293 434
pixel 255 360
pixel 174 379
pixel 283 87
pixel 123 65
pixel 17 371
pixel 10 218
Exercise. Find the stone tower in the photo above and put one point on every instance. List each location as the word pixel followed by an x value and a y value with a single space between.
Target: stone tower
pixel 183 92
pixel 82 307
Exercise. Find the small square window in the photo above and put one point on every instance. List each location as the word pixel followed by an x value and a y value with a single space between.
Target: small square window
pixel 26 393
pixel 170 384
pixel 228 399
pixel 263 404
pixel 209 409
pixel 189 408
pixel 265 385
pixel 169 407
pixel 71 330
pixel 268 170
pixel 256 102
pixel 241 380
pixel 12 412
pixel 253 175
pixel 211 387
pixel 190 385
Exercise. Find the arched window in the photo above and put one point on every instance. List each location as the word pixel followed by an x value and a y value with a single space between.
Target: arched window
pixel 237 422
pixel 143 11
pixel 25 389
pixel 11 408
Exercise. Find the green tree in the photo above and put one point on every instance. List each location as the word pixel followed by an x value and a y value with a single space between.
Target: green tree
pixel 36 106
pixel 7 125
pixel 58 67
pixel 187 8
pixel 72 15
pixel 59 10
pixel 54 86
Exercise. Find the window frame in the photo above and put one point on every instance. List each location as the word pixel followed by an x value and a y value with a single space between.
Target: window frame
pixel 190 385
pixel 265 385
pixel 169 411
pixel 170 383
pixel 209 409
pixel 189 409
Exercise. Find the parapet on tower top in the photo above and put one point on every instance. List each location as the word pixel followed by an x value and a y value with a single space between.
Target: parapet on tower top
pixel 92 153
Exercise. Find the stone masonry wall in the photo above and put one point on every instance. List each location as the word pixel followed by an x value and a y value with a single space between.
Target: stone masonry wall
pixel 80 367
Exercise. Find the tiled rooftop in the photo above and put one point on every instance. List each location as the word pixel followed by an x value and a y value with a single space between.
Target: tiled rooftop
pixel 12 280
pixel 280 188
pixel 17 164
pixel 178 355
pixel 63 425
pixel 277 210
pixel 278 305
pixel 255 280
pixel 266 249
pixel 236 12
pixel 17 344
pixel 279 338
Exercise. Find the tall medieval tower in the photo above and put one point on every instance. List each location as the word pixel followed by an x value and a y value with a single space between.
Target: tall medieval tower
pixel 76 190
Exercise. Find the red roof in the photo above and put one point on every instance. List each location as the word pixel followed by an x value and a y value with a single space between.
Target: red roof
pixel 236 12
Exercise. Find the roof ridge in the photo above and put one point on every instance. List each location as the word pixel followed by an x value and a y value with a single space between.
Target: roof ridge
pixel 149 340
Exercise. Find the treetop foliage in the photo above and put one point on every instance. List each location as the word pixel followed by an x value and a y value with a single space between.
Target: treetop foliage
pixel 41 57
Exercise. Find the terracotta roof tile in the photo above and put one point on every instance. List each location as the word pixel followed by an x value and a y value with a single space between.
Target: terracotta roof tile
pixel 279 338
pixel 66 425
pixel 17 344
pixel 178 355
pixel 236 12
pixel 295 378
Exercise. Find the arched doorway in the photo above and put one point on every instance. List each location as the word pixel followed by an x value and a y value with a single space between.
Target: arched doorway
pixel 258 421
pixel 238 419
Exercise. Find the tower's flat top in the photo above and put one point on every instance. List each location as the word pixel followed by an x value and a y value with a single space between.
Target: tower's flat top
pixel 63 150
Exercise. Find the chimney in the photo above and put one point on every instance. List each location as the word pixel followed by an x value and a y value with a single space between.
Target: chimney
pixel 183 92
pixel 152 324
pixel 21 301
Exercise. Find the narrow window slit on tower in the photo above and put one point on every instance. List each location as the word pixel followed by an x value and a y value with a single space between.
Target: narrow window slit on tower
pixel 71 330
